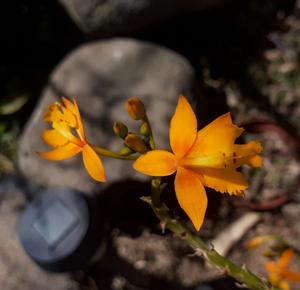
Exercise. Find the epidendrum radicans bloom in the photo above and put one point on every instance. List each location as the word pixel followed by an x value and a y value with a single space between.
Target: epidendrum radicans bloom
pixel 68 138
pixel 279 273
pixel 205 158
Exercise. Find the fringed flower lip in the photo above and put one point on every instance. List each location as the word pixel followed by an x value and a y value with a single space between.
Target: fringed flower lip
pixel 208 158
pixel 67 137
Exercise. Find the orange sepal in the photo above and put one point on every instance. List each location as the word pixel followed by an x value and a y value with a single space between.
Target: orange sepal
pixel 191 195
pixel 93 163
pixel 62 152
pixel 183 128
pixel 156 163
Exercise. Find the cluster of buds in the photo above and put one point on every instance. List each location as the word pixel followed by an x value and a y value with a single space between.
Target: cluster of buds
pixel 135 142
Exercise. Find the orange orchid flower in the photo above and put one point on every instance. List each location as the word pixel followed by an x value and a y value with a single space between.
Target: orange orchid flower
pixel 205 158
pixel 279 273
pixel 68 138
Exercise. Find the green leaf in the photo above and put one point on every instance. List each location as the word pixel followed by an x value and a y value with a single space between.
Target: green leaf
pixel 10 107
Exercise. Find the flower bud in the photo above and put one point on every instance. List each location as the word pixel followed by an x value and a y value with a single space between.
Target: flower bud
pixel 145 129
pixel 135 143
pixel 120 129
pixel 125 151
pixel 135 108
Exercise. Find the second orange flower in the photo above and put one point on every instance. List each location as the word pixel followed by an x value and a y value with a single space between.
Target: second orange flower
pixel 67 138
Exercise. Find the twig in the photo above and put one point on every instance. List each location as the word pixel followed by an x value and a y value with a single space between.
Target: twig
pixel 234 232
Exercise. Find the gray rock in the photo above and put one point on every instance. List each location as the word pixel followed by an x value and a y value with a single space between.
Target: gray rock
pixel 118 16
pixel 102 75
pixel 17 271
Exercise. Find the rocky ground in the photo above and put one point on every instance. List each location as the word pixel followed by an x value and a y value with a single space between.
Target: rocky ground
pixel 261 89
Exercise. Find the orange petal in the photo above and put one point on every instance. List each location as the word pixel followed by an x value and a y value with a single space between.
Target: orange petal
pixel 183 128
pixel 212 161
pixel 93 163
pixel 69 105
pixel 65 131
pixel 236 158
pixel 257 241
pixel 251 148
pixel 53 138
pixel 62 112
pixel 61 153
pixel 191 195
pixel 284 285
pixel 254 242
pixel 273 273
pixel 285 258
pixel 291 276
pixel 80 129
pixel 156 163
pixel 217 137
pixel 71 113
pixel 271 267
pixel 70 118
pixel 253 161
pixel 224 180
pixel 53 113
pixel 247 154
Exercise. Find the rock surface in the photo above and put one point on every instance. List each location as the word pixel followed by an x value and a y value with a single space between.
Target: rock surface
pixel 118 16
pixel 17 271
pixel 102 75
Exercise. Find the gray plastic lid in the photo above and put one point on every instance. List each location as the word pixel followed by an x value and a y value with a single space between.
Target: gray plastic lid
pixel 58 232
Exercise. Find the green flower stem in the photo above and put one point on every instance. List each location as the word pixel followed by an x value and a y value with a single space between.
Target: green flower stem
pixel 241 274
pixel 151 137
pixel 104 152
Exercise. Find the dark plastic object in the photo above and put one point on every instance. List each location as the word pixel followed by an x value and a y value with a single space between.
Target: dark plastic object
pixel 61 230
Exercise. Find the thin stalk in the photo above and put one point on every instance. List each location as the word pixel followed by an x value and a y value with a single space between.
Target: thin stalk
pixel 151 137
pixel 104 152
pixel 241 274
